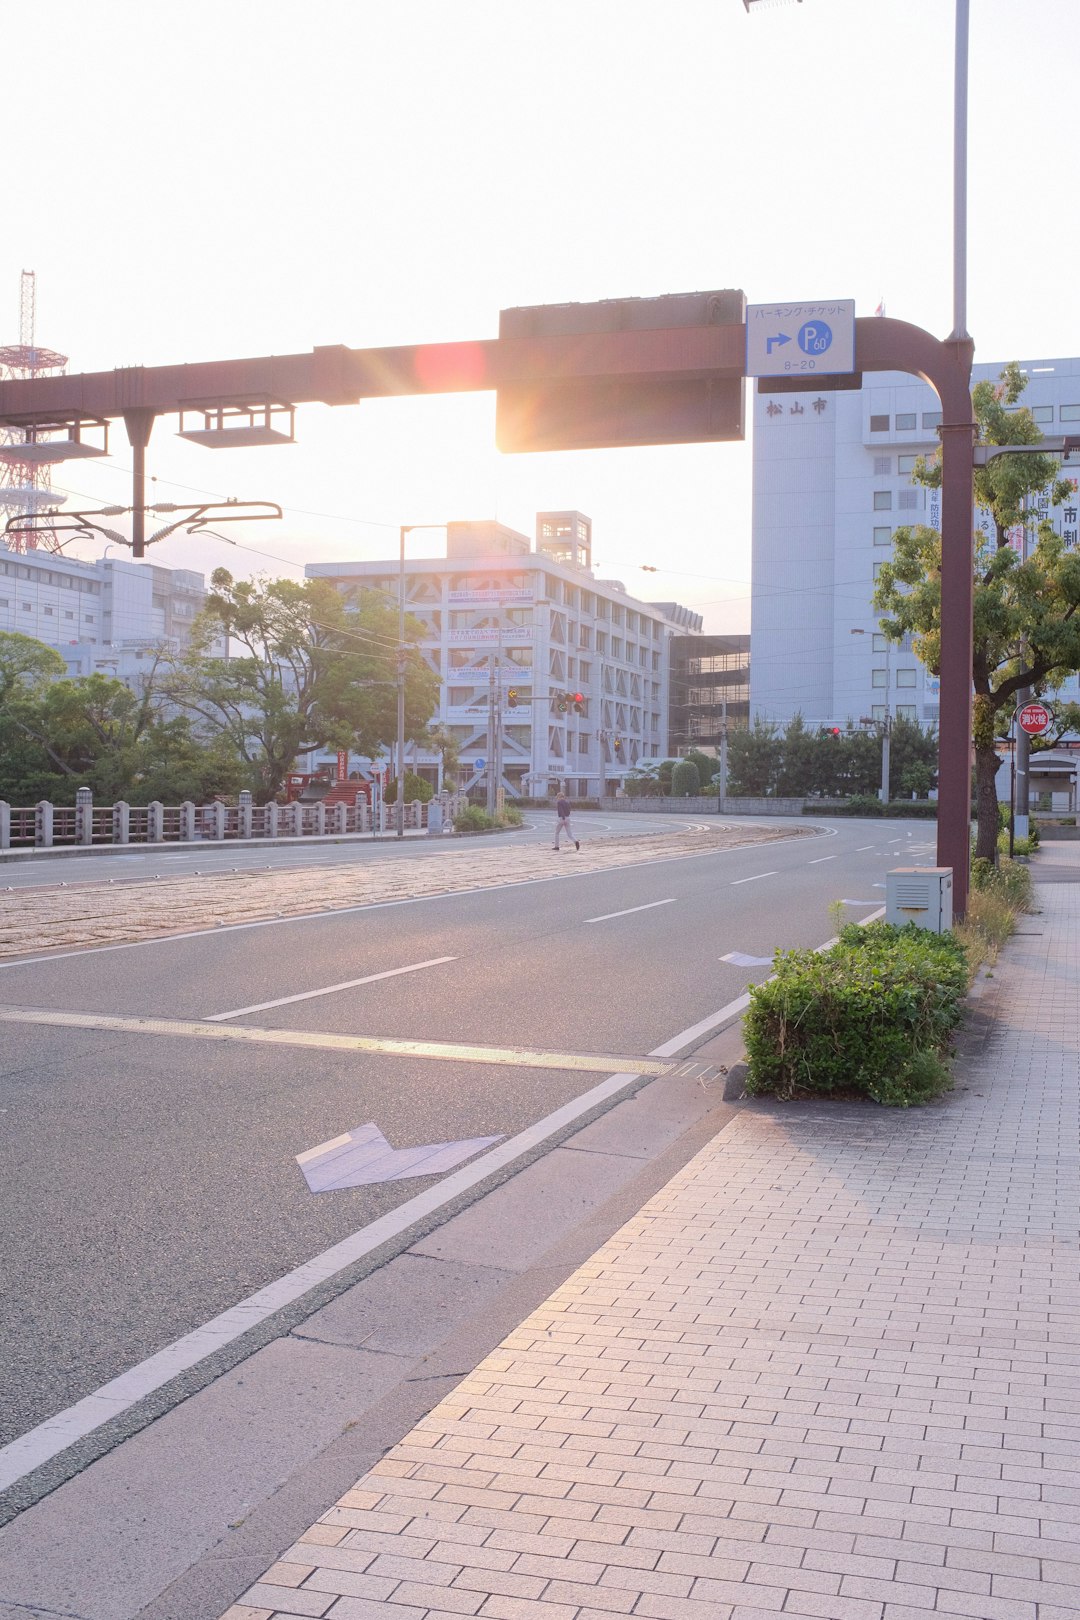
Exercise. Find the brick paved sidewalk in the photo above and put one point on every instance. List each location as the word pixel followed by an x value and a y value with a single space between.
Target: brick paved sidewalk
pixel 830 1370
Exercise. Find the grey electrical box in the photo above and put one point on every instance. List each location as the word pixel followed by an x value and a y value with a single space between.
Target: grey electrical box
pixel 921 895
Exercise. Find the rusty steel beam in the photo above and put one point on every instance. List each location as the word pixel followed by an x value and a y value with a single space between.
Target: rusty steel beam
pixel 337 375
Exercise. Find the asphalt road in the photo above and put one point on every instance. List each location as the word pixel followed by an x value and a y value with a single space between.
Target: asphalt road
pixel 46 869
pixel 150 1180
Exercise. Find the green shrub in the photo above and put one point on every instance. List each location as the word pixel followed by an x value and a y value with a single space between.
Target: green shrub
pixel 685 781
pixel 509 816
pixel 871 1017
pixel 416 787
pixel 865 804
pixel 473 820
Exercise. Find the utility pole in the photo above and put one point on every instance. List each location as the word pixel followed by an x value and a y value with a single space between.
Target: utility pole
pixel 601 734
pixel 490 773
pixel 399 800
pixel 722 796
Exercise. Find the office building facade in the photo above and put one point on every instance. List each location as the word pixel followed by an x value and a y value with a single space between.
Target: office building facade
pixel 832 482
pixel 515 633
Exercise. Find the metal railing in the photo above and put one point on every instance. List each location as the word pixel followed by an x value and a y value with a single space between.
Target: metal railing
pixel 51 826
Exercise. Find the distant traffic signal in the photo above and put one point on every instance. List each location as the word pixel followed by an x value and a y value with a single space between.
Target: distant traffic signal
pixel 579 703
pixel 512 698
pixel 829 731
pixel 618 747
pixel 561 702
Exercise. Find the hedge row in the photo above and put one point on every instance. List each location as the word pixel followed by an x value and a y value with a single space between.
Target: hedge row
pixel 864 804
pixel 872 1016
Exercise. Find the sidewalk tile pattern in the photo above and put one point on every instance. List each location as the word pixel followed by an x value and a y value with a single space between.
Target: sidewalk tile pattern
pixel 831 1370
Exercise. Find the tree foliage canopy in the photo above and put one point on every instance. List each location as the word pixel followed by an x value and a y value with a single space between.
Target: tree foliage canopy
pixel 306 669
pixel 1026 623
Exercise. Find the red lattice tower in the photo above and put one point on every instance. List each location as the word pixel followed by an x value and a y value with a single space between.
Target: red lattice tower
pixel 24 484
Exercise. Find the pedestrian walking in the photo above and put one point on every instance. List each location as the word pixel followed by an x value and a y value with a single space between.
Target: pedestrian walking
pixel 562 821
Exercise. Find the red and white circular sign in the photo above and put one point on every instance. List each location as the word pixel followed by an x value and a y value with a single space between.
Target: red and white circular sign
pixel 1034 718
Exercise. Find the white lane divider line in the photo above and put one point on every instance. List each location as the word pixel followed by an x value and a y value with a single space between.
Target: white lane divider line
pixel 39 1445
pixel 861 847
pixel 753 879
pixel 608 915
pixel 740 959
pixel 822 858
pixel 329 990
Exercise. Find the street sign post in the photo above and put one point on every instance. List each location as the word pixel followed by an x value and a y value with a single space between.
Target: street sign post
pixel 800 340
pixel 1034 718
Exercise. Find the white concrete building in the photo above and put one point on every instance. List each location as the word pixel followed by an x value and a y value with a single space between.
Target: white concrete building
pixel 831 483
pixel 109 615
pixel 534 628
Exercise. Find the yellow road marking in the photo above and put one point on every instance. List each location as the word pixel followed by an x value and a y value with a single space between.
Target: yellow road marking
pixel 526 1057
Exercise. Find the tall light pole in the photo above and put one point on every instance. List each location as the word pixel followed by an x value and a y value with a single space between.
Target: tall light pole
pixel 402 653
pixel 957 434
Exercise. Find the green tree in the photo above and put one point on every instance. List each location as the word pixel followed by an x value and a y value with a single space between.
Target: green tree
pixel 707 766
pixel 798 767
pixel 912 760
pixel 1026 626
pixel 315 671
pixel 27 667
pixel 754 760
pixel 685 781
pixel 444 742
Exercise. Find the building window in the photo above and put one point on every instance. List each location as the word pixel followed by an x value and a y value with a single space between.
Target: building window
pixel 909 500
pixel 931 419
pixel 68 614
pixel 878 711
pixel 905 421
pixel 880 677
pixel 1069 413
pixel 583 742
pixel 906 464
pixel 48 612
pixel 877 570
pixel 584 670
pixel 905 677
pixel 881 643
pixel 28 607
pixel 1042 413
pixel 879 424
pixel 616 647
pixel 601 641
pixel 882 466
pixel 883 500
pixel 905 711
pixel 883 537
pixel 89 618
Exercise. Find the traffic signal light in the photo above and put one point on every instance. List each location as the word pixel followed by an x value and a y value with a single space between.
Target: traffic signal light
pixel 512 698
pixel 579 703
pixel 618 747
pixel 829 731
pixel 560 702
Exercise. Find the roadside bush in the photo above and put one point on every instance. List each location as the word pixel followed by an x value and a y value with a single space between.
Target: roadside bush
pixel 685 781
pixel 416 787
pixel 473 820
pixel 872 1016
pixel 510 816
pixel 997 896
pixel 865 804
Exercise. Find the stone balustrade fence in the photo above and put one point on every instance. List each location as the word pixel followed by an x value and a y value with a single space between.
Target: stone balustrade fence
pixel 49 826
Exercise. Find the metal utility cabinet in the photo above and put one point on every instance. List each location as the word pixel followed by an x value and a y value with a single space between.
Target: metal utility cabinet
pixel 920 895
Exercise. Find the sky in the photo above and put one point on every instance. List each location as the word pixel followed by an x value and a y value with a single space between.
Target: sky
pixel 198 181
